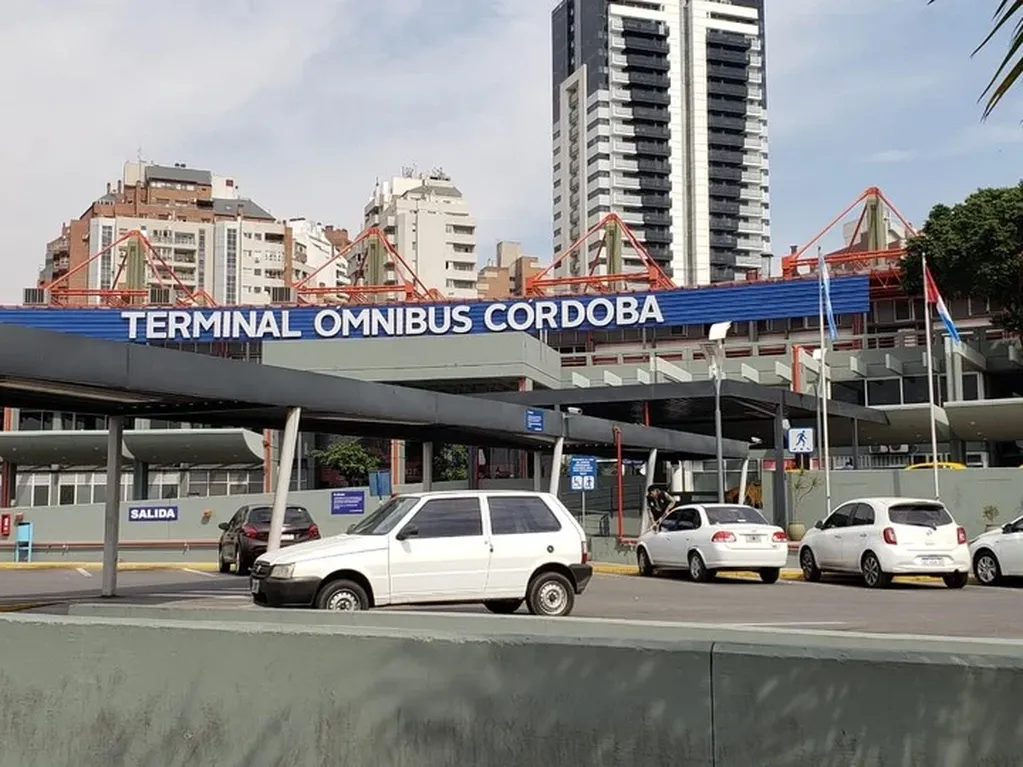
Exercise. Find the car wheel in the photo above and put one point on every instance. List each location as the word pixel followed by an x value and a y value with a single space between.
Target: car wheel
pixel 873 575
pixel 503 606
pixel 344 596
pixel 770 574
pixel 243 565
pixel 646 568
pixel 698 568
pixel 550 595
pixel 987 569
pixel 224 567
pixel 808 564
pixel 956 580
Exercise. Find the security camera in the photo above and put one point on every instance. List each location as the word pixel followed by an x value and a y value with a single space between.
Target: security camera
pixel 574 410
pixel 719 330
pixel 755 440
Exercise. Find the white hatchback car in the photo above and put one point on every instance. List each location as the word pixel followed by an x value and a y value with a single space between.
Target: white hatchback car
pixel 998 554
pixel 709 538
pixel 501 548
pixel 884 537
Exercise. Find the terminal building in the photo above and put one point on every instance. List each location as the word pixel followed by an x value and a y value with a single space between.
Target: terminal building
pixel 524 344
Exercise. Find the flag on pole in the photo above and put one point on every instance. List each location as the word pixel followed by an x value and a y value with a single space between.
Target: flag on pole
pixel 932 296
pixel 825 280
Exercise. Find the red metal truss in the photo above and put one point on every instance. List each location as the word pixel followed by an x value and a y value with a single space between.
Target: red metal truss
pixel 406 288
pixel 60 292
pixel 881 265
pixel 650 277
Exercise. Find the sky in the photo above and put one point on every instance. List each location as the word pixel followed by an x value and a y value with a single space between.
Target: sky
pixel 307 104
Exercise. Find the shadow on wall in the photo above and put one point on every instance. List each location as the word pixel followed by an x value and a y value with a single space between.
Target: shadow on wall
pixel 839 710
pixel 152 697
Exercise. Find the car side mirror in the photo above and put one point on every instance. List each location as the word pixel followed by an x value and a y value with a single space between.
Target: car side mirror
pixel 1008 528
pixel 410 531
pixel 819 524
pixel 223 525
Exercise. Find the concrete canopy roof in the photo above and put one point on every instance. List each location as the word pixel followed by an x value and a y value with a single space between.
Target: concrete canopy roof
pixel 996 420
pixel 42 369
pixel 747 409
pixel 219 447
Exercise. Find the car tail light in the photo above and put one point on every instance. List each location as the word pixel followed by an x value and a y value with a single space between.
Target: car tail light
pixel 723 536
pixel 780 537
pixel 961 534
pixel 314 531
pixel 889 536
pixel 586 553
pixel 250 532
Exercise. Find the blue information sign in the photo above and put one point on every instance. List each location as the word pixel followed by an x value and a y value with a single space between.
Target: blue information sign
pixel 582 472
pixel 534 420
pixel 347 502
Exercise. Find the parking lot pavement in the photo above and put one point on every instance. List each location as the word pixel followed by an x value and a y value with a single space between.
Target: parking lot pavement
pixel 910 608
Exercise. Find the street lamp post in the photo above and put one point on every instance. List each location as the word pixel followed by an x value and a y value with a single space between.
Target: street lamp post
pixel 714 348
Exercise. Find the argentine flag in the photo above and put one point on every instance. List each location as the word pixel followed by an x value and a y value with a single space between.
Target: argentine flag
pixel 825 280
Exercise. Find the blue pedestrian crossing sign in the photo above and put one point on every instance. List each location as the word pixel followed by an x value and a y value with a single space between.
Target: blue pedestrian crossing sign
pixel 582 472
pixel 801 441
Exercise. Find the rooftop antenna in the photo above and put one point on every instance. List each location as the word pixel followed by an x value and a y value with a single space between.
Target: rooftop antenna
pixel 408 171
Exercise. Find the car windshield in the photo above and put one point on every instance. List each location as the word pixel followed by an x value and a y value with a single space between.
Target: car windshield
pixel 920 514
pixel 293 515
pixel 385 518
pixel 734 515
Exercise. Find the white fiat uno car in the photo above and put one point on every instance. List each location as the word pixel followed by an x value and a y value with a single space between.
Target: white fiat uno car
pixel 501 548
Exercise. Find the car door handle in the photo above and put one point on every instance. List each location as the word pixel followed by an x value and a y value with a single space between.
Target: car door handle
pixel 863 535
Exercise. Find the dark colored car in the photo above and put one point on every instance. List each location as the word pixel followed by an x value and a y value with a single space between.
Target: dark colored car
pixel 245 536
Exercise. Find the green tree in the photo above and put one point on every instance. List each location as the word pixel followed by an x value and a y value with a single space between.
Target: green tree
pixel 1008 13
pixel 349 459
pixel 451 463
pixel 974 248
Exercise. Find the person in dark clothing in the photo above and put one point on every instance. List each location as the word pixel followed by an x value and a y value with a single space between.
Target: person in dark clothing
pixel 659 503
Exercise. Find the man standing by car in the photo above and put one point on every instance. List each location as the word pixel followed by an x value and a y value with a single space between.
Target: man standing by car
pixel 659 503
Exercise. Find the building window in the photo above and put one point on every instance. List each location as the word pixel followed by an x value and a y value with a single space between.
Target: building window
pixel 231 268
pixel 201 253
pixel 914 389
pixel 106 262
pixel 884 391
pixel 36 420
pixel 851 392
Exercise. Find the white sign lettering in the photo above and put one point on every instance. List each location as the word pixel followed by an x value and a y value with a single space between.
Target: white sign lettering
pixel 390 321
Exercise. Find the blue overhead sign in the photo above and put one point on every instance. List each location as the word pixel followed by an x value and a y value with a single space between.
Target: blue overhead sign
pixel 752 301
pixel 347 502
pixel 534 420
pixel 582 472
pixel 152 513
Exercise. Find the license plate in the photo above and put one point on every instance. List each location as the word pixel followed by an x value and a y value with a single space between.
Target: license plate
pixel 932 560
pixel 254 586
pixel 754 538
pixel 287 537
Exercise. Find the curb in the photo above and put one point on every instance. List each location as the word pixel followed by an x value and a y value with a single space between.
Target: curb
pixel 19 606
pixel 206 567
pixel 787 574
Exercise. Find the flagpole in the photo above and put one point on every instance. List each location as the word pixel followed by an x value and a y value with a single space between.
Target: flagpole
pixel 822 385
pixel 930 385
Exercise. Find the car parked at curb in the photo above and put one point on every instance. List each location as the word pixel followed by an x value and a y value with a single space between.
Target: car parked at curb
pixel 884 537
pixel 706 539
pixel 498 548
pixel 246 534
pixel 998 554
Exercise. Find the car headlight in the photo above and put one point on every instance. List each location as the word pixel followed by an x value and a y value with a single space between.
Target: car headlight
pixel 282 572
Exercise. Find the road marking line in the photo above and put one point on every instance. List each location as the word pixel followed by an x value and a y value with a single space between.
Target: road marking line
pixel 784 624
pixel 83 572
pixel 197 572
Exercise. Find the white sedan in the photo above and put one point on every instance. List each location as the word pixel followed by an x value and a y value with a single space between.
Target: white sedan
pixel 884 537
pixel 998 553
pixel 709 538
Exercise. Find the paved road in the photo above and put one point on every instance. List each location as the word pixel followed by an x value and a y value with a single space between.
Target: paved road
pixel 842 606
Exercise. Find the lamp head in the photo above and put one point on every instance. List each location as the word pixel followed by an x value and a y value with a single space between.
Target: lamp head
pixel 719 330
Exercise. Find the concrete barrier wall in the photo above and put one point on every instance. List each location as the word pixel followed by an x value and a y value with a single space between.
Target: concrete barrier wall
pixel 383 689
pixel 966 492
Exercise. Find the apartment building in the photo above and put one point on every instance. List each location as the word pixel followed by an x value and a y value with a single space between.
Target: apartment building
pixel 427 220
pixel 508 274
pixel 206 240
pixel 659 114
pixel 314 253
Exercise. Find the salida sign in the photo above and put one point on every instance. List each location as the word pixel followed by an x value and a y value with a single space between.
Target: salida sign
pixel 391 321
pixel 152 513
